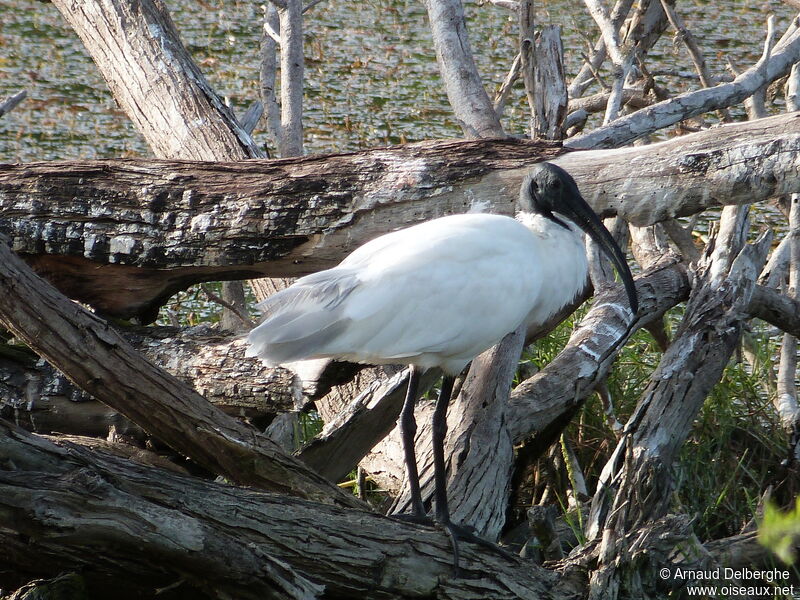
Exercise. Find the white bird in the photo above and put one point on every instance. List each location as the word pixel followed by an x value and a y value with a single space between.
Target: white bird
pixel 438 294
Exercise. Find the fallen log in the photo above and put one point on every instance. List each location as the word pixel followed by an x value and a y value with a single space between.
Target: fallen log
pixel 103 364
pixel 123 235
pixel 41 399
pixel 133 529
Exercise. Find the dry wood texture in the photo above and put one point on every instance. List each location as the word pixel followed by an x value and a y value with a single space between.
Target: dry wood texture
pixel 135 528
pixel 103 364
pixel 150 228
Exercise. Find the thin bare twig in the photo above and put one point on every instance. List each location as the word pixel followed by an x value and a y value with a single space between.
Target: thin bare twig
pixel 234 309
pixel 681 31
pixel 310 5
pixel 11 102
pixel 503 93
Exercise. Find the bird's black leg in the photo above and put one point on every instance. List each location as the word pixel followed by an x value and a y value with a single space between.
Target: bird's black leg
pixel 438 434
pixel 408 429
pixel 439 431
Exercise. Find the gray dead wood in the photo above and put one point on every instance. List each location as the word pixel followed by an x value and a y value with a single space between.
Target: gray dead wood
pixel 775 271
pixel 151 75
pixel 635 486
pixel 786 400
pixel 686 175
pixel 541 406
pixel 353 430
pixel 527 56
pixel 10 103
pixel 666 113
pixel 139 53
pixel 137 527
pixel 631 97
pixel 157 226
pixel 124 235
pixel 776 309
pixel 471 104
pixel 586 75
pixel 685 35
pixel 103 364
pixel 42 399
pixel 621 55
pixel 541 402
pixel 479 448
pixel 550 101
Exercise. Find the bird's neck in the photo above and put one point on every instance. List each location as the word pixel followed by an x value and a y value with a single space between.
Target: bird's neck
pixel 545 227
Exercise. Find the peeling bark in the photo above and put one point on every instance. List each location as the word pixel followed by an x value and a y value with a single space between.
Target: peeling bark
pixel 103 364
pixel 136 528
pixel 155 227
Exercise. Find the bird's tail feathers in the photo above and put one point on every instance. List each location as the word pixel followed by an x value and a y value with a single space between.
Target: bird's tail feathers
pixel 299 321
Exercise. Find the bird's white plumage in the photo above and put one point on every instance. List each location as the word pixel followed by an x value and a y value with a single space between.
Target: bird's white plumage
pixel 433 295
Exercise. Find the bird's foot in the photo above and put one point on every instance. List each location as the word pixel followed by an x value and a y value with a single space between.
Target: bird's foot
pixel 417 519
pixel 457 533
pixel 467 534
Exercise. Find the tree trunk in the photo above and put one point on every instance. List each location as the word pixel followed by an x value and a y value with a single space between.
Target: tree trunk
pixel 133 528
pixel 103 364
pixel 154 80
pixel 294 216
pixel 462 82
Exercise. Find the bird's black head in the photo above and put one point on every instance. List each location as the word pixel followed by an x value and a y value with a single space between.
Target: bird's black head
pixel 547 189
pixel 550 191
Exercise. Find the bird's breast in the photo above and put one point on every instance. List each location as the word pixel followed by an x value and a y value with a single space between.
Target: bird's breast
pixel 561 263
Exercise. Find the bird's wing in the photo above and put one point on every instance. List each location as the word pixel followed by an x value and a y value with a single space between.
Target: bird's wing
pixel 303 317
pixel 432 288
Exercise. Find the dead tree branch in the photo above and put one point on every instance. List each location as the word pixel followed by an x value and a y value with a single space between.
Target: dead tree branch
pixel 666 113
pixel 468 97
pixel 104 365
pixel 264 218
pixel 133 526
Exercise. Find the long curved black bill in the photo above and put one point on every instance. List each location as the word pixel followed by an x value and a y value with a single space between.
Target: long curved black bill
pixel 586 219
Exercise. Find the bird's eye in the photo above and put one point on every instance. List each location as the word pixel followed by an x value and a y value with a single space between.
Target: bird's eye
pixel 557 183
pixel 534 186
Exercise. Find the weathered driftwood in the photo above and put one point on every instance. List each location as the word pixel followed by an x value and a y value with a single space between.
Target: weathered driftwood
pixel 621 57
pixel 776 309
pixel 635 486
pixel 462 82
pixel 686 175
pixel 155 227
pixel 690 104
pixel 103 364
pixel 477 437
pixel 550 100
pixel 42 399
pixel 11 102
pixel 139 528
pixel 138 50
pixel 541 402
pixel 685 35
pixel 180 223
pixel 351 432
pixel 786 393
